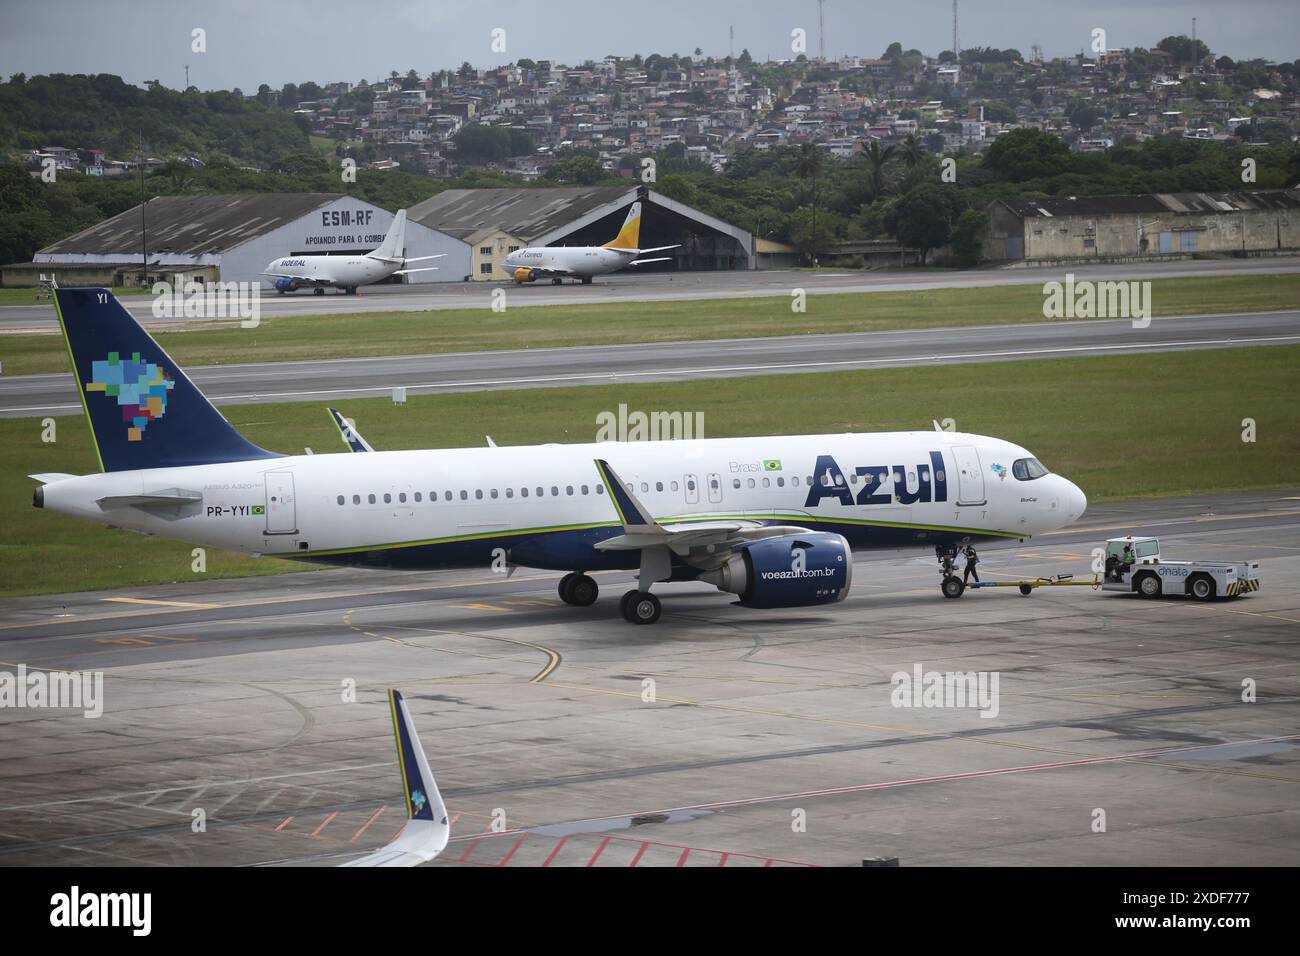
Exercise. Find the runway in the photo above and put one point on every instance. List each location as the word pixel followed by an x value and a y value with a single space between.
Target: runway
pixel 678 286
pixel 719 737
pixel 333 380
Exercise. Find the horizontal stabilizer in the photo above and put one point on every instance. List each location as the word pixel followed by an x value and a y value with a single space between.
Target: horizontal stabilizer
pixel 168 496
pixel 348 432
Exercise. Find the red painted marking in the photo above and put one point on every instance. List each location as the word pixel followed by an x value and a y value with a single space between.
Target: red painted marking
pixel 769 863
pixel 522 838
pixel 912 781
pixel 366 826
pixel 555 851
pixel 599 850
pixel 454 817
pixel 324 823
pixel 681 861
pixel 639 853
pixel 284 823
pixel 468 852
pixel 722 861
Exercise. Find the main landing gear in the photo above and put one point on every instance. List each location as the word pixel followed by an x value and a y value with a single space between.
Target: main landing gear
pixel 578 589
pixel 640 607
pixel 636 606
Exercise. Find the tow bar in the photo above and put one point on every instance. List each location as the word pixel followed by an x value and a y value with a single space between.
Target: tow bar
pixel 954 587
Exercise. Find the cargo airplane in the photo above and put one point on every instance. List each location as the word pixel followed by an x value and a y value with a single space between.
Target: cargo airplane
pixel 772 520
pixel 582 262
pixel 346 272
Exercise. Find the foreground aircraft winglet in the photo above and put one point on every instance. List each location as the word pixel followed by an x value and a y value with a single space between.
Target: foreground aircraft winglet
pixel 427 831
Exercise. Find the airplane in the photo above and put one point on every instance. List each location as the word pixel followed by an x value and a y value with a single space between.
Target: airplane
pixel 583 262
pixel 427 829
pixel 773 520
pixel 346 272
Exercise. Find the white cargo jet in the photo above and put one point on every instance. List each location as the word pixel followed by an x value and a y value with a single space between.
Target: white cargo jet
pixel 582 262
pixel 773 520
pixel 346 272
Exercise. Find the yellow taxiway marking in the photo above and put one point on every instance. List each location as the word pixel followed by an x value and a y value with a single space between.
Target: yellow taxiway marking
pixel 189 604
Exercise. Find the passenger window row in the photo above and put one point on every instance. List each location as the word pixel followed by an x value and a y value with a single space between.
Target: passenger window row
pixel 464 495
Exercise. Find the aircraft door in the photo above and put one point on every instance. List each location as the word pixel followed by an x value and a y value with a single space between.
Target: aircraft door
pixel 281 505
pixel 970 479
pixel 715 488
pixel 691 487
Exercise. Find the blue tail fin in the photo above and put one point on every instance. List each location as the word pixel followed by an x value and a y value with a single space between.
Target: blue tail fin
pixel 143 410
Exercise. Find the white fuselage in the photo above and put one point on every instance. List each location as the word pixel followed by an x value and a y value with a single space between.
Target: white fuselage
pixel 340 271
pixel 581 261
pixel 452 507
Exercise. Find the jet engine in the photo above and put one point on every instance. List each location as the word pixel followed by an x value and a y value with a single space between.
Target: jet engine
pixel 525 275
pixel 793 570
pixel 285 284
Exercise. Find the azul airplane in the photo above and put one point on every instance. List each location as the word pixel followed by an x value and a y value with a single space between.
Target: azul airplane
pixel 772 520
pixel 346 272
pixel 582 262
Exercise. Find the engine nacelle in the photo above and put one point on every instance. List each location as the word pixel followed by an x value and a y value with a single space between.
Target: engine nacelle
pixel 794 570
pixel 285 284
pixel 525 275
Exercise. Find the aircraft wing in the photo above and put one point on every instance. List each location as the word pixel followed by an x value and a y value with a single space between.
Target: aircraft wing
pixel 640 262
pixel 660 248
pixel 427 831
pixel 348 432
pixel 402 272
pixel 300 279
pixel 643 532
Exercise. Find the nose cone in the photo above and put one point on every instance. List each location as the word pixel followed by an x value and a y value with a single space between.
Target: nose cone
pixel 1073 501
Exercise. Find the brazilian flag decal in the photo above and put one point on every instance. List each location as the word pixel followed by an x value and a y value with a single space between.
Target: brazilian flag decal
pixel 259 509
pixel 771 464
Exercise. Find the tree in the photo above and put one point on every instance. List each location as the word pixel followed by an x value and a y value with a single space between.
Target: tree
pixel 579 171
pixel 968 237
pixel 877 158
pixel 808 164
pixel 1027 154
pixel 923 218
pixel 1184 49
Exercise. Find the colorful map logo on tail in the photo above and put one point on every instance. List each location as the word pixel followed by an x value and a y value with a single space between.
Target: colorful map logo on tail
pixel 140 389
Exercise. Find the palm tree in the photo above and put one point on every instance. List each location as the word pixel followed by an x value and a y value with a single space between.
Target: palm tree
pixel 808 164
pixel 878 158
pixel 911 151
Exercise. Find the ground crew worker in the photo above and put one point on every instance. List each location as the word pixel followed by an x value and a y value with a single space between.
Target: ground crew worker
pixel 971 560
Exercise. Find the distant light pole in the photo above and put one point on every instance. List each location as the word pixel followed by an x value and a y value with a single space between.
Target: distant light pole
pixel 144 234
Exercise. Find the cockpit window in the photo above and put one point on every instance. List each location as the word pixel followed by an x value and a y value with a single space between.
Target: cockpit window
pixel 1027 469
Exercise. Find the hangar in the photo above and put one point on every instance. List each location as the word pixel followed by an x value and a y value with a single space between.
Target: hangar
pixel 496 222
pixel 232 238
pixel 1102 228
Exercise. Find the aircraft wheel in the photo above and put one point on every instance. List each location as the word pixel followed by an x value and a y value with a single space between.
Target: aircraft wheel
pixel 557 282
pixel 319 290
pixel 583 591
pixel 586 280
pixel 640 607
pixel 953 586
pixel 1026 590
pixel 566 587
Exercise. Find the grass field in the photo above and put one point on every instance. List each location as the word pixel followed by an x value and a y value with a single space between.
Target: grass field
pixel 462 330
pixel 30 296
pixel 1186 439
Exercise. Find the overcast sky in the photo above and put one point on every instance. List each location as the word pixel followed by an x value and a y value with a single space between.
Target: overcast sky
pixel 278 41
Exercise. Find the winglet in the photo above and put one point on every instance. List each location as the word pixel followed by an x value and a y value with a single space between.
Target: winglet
pixel 348 432
pixel 427 830
pixel 630 511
